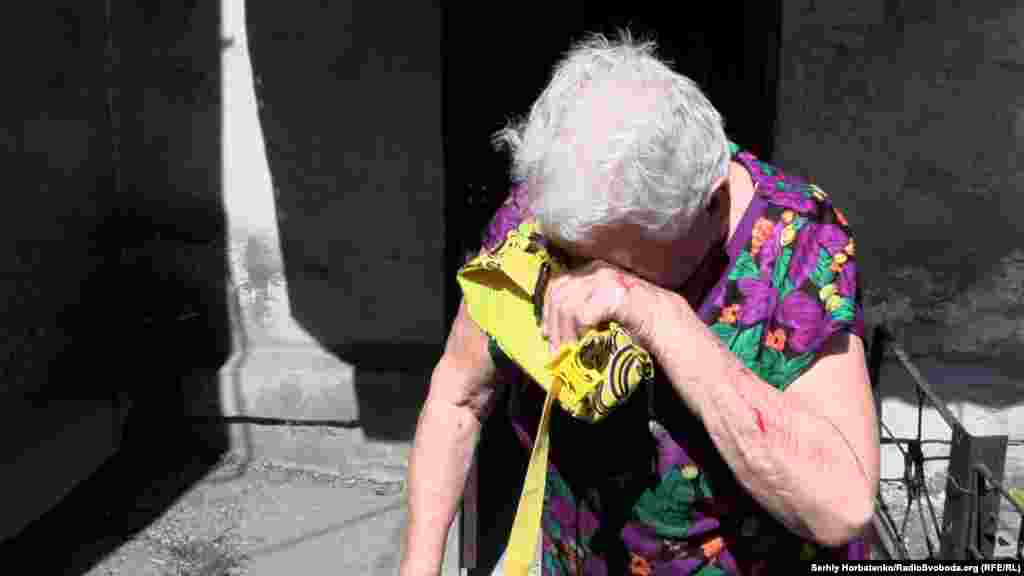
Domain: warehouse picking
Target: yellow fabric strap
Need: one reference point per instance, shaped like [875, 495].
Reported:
[588, 378]
[522, 545]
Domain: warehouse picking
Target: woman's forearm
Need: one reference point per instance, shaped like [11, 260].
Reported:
[795, 463]
[442, 453]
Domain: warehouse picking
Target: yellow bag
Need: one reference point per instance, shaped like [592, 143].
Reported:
[503, 292]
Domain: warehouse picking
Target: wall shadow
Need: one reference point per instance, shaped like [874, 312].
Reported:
[349, 99]
[116, 230]
[992, 383]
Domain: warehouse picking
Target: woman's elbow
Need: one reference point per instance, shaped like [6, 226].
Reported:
[849, 521]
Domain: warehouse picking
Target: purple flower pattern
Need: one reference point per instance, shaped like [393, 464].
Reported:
[508, 216]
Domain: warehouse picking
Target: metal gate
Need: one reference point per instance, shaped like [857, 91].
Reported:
[966, 528]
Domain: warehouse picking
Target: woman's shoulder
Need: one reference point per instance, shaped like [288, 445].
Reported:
[783, 191]
[794, 283]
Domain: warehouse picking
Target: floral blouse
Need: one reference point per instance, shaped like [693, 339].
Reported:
[645, 491]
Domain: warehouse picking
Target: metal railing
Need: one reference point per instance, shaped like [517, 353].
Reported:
[967, 527]
[987, 483]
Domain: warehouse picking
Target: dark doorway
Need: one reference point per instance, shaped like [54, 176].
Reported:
[495, 64]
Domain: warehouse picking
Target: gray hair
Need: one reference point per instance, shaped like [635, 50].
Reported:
[657, 166]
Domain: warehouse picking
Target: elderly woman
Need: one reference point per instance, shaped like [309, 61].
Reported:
[758, 443]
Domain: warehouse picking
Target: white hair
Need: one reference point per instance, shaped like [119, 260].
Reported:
[644, 145]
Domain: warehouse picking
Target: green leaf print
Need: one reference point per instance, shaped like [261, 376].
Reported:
[550, 525]
[779, 372]
[551, 565]
[797, 363]
[787, 287]
[781, 267]
[666, 509]
[748, 344]
[703, 486]
[745, 267]
[772, 368]
[845, 311]
[823, 273]
[778, 379]
[725, 332]
[556, 486]
[772, 360]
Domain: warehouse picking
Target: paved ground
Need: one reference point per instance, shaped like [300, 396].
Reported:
[161, 507]
[315, 501]
[272, 520]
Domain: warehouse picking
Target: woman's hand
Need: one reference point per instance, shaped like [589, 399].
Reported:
[597, 292]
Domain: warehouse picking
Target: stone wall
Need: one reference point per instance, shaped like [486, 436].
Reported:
[908, 113]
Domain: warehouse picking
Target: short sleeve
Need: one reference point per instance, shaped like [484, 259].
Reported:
[792, 287]
[844, 303]
[509, 216]
[818, 289]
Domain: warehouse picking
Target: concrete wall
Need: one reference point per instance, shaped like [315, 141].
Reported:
[909, 114]
[352, 320]
[337, 292]
[349, 101]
